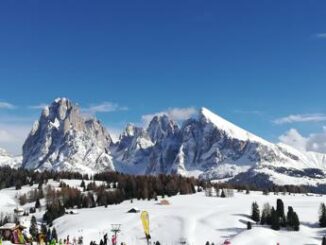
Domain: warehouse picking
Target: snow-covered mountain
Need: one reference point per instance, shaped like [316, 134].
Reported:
[133, 150]
[8, 160]
[210, 147]
[62, 139]
[206, 146]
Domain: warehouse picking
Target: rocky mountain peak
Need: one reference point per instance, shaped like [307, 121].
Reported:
[132, 130]
[63, 139]
[206, 145]
[161, 126]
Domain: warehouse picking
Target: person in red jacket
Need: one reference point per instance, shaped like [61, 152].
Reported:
[114, 240]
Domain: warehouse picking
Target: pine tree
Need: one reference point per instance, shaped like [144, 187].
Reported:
[322, 215]
[222, 194]
[33, 230]
[255, 213]
[266, 215]
[37, 203]
[290, 217]
[293, 219]
[54, 234]
[248, 225]
[83, 185]
[49, 235]
[18, 185]
[280, 212]
[323, 241]
[296, 222]
[40, 185]
[275, 222]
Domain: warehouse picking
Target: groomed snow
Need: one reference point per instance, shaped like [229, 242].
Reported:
[196, 218]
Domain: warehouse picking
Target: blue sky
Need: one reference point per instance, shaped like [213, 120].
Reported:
[252, 62]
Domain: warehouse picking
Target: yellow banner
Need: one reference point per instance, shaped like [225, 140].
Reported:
[145, 220]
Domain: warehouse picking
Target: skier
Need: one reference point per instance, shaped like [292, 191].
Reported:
[114, 240]
[105, 239]
[227, 242]
[80, 240]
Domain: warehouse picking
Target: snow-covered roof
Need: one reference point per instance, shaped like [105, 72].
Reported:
[17, 210]
[8, 226]
[134, 210]
[11, 226]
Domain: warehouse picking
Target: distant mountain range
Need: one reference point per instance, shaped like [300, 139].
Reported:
[206, 146]
[8, 160]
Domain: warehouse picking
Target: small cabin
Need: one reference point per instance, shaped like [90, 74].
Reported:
[133, 210]
[19, 211]
[164, 202]
[13, 233]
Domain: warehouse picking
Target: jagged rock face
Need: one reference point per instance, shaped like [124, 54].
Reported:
[166, 135]
[207, 146]
[150, 151]
[163, 157]
[133, 150]
[64, 140]
[161, 127]
[200, 145]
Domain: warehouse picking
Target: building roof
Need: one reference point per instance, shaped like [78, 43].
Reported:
[11, 226]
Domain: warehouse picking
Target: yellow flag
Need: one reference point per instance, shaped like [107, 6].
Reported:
[145, 220]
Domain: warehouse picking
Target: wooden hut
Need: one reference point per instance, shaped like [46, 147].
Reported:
[164, 202]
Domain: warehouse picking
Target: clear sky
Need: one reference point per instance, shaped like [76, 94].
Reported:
[260, 64]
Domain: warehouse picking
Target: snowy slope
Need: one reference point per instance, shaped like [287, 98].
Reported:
[229, 128]
[194, 218]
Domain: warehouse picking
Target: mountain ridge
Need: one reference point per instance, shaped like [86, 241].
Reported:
[206, 146]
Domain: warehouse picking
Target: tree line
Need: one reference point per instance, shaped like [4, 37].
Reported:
[18, 177]
[275, 217]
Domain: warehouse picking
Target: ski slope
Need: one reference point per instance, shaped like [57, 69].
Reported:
[197, 219]
[194, 218]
